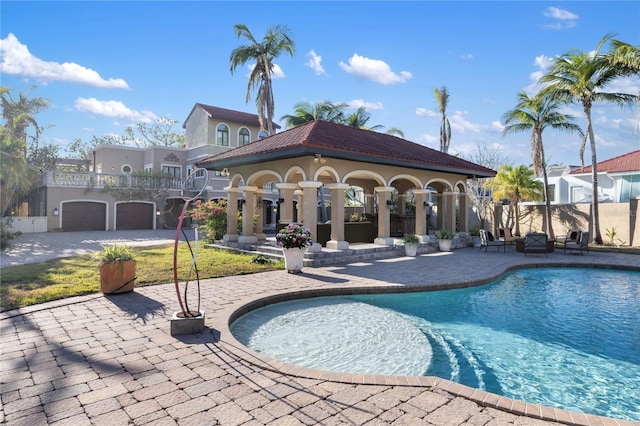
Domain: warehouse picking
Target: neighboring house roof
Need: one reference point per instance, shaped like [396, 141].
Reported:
[348, 143]
[228, 115]
[623, 163]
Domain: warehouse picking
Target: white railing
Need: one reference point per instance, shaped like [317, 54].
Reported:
[102, 180]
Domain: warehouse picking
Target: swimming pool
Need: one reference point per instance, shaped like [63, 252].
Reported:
[561, 337]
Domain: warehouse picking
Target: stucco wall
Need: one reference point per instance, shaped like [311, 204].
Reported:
[621, 216]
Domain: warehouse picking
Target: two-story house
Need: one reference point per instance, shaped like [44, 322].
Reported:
[123, 187]
[618, 181]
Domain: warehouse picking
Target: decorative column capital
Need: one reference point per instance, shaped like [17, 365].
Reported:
[338, 186]
[284, 185]
[309, 184]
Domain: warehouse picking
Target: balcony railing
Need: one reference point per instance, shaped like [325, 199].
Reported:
[102, 180]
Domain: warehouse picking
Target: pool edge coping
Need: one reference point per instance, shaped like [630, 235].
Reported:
[483, 398]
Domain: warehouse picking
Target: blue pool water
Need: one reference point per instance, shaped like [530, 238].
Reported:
[561, 337]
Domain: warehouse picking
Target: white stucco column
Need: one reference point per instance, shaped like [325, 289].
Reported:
[299, 196]
[384, 194]
[232, 214]
[369, 203]
[248, 210]
[337, 241]
[421, 215]
[449, 211]
[286, 207]
[464, 212]
[310, 209]
[259, 213]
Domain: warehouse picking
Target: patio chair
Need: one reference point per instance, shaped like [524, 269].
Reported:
[572, 237]
[582, 244]
[487, 239]
[535, 243]
[506, 235]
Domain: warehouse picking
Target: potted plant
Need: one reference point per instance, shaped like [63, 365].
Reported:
[117, 269]
[294, 240]
[475, 235]
[411, 244]
[445, 239]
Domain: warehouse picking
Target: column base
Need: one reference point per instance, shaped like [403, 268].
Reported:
[261, 236]
[187, 325]
[337, 245]
[315, 248]
[383, 241]
[230, 238]
[247, 239]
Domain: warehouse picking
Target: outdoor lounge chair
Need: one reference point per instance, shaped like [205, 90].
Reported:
[582, 244]
[487, 239]
[535, 243]
[506, 235]
[572, 237]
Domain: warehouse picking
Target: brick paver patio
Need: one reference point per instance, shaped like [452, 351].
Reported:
[110, 360]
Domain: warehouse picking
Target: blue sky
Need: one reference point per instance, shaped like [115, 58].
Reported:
[108, 65]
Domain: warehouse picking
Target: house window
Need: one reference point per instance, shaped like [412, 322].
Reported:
[200, 173]
[223, 135]
[126, 169]
[262, 134]
[244, 137]
[174, 171]
[551, 193]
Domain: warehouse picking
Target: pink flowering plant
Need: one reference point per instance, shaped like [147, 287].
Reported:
[212, 218]
[294, 236]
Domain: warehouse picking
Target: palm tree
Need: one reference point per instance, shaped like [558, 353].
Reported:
[515, 184]
[18, 114]
[442, 97]
[360, 118]
[276, 42]
[580, 77]
[535, 114]
[321, 110]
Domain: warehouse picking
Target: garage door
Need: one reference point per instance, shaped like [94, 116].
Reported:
[134, 216]
[84, 216]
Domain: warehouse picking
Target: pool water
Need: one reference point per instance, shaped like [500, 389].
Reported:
[562, 337]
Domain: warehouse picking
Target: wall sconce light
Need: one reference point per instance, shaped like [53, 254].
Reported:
[425, 204]
[55, 211]
[224, 172]
[157, 212]
[389, 202]
[241, 202]
[275, 210]
[319, 160]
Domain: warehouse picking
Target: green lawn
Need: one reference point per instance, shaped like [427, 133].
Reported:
[30, 284]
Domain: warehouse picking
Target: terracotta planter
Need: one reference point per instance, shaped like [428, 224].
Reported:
[410, 249]
[117, 277]
[294, 259]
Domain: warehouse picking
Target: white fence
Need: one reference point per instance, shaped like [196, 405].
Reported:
[29, 224]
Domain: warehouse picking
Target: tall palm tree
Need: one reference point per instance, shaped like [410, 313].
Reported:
[580, 77]
[274, 43]
[321, 110]
[535, 114]
[442, 97]
[18, 115]
[515, 184]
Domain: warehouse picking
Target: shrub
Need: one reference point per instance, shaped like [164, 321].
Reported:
[212, 218]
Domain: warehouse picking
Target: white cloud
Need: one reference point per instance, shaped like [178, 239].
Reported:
[114, 109]
[357, 103]
[315, 63]
[561, 14]
[374, 70]
[423, 112]
[466, 56]
[566, 19]
[17, 60]
[460, 125]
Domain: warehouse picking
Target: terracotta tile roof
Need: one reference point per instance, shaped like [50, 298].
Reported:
[231, 115]
[623, 163]
[349, 143]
